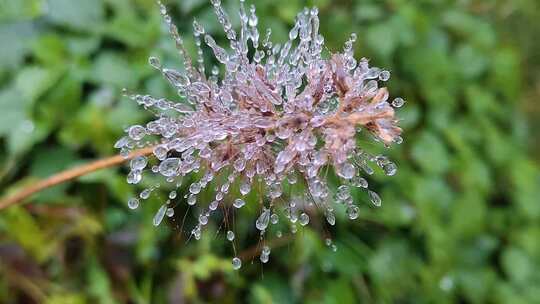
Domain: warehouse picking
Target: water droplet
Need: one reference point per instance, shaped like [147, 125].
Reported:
[230, 235]
[353, 212]
[390, 168]
[136, 132]
[347, 171]
[262, 222]
[159, 215]
[169, 167]
[192, 199]
[145, 193]
[384, 75]
[245, 187]
[134, 177]
[237, 263]
[172, 194]
[195, 188]
[303, 219]
[328, 242]
[133, 203]
[138, 163]
[239, 203]
[330, 218]
[154, 62]
[375, 198]
[203, 219]
[170, 212]
[359, 181]
[122, 142]
[274, 218]
[398, 102]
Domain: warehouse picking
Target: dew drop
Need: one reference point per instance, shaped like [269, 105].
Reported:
[330, 218]
[154, 62]
[169, 167]
[375, 198]
[245, 187]
[195, 188]
[138, 163]
[262, 222]
[390, 168]
[145, 193]
[170, 212]
[347, 171]
[239, 203]
[303, 219]
[192, 199]
[133, 203]
[353, 212]
[159, 215]
[236, 263]
[274, 218]
[136, 132]
[398, 102]
[230, 235]
[134, 177]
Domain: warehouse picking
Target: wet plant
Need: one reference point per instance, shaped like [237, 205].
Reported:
[275, 119]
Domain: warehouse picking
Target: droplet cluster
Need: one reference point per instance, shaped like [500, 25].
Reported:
[279, 114]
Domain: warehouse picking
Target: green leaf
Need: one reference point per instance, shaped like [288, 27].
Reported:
[20, 10]
[77, 14]
[430, 153]
[19, 36]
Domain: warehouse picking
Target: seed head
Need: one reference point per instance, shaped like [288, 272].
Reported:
[270, 115]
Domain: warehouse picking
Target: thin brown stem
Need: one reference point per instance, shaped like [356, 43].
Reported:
[69, 174]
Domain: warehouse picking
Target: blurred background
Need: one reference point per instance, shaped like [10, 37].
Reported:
[460, 222]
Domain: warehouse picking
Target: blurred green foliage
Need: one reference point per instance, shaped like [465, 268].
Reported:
[460, 222]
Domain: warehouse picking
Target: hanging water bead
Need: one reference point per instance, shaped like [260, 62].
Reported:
[347, 171]
[375, 198]
[172, 194]
[134, 177]
[359, 182]
[145, 193]
[274, 218]
[265, 254]
[138, 163]
[192, 200]
[353, 212]
[239, 203]
[230, 235]
[236, 263]
[330, 217]
[136, 132]
[384, 75]
[303, 219]
[160, 214]
[262, 222]
[169, 167]
[390, 168]
[398, 102]
[154, 62]
[133, 203]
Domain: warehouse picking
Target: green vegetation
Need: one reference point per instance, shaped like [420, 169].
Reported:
[460, 221]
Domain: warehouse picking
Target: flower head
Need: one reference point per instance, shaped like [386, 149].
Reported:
[280, 114]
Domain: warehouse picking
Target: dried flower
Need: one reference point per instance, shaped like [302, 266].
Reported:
[283, 115]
